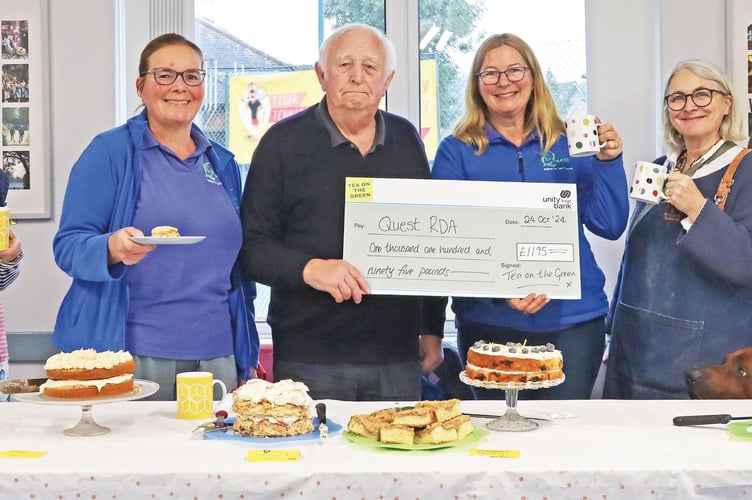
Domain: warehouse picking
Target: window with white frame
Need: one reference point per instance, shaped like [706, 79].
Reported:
[259, 58]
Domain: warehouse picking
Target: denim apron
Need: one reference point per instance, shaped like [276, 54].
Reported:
[671, 314]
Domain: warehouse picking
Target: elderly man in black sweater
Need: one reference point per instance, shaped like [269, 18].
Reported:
[327, 330]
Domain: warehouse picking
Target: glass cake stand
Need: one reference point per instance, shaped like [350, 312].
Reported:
[512, 421]
[86, 426]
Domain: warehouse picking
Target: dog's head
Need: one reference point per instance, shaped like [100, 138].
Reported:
[732, 379]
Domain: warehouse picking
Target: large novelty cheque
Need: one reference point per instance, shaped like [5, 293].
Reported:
[463, 238]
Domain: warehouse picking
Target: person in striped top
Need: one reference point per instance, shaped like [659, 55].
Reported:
[10, 266]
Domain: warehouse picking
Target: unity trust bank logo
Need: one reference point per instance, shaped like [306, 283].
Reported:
[561, 202]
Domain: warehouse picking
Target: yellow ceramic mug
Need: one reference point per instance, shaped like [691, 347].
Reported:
[4, 228]
[195, 395]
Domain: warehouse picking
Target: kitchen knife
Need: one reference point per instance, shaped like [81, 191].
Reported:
[721, 418]
[323, 427]
[215, 425]
[19, 385]
[481, 415]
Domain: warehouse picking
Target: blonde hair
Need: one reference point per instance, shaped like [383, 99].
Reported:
[731, 125]
[541, 113]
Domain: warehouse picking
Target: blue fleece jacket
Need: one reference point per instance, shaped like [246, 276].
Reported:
[603, 208]
[100, 198]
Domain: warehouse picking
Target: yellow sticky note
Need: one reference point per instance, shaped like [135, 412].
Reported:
[272, 456]
[22, 454]
[358, 189]
[495, 453]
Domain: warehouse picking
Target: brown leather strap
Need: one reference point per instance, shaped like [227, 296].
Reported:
[728, 180]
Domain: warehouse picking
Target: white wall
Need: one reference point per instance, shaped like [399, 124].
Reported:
[81, 104]
[622, 70]
[631, 44]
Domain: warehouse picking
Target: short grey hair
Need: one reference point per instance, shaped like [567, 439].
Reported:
[731, 126]
[390, 53]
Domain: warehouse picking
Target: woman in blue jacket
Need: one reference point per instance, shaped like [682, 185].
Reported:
[511, 131]
[174, 307]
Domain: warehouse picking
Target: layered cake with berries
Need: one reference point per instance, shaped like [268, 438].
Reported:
[513, 362]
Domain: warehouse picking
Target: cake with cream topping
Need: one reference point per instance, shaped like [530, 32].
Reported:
[513, 362]
[266, 409]
[86, 373]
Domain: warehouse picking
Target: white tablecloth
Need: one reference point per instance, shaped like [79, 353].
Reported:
[596, 449]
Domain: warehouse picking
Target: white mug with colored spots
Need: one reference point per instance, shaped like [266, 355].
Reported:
[648, 182]
[582, 136]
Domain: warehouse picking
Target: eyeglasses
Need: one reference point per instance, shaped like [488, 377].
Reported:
[167, 76]
[492, 76]
[701, 98]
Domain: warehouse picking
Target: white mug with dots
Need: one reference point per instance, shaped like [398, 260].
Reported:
[582, 136]
[648, 182]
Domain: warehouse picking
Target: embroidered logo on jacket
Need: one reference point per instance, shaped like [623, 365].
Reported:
[210, 174]
[551, 162]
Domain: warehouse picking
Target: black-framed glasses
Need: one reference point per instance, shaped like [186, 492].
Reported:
[701, 97]
[492, 76]
[167, 76]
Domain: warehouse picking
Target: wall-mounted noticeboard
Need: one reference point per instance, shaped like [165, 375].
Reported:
[24, 99]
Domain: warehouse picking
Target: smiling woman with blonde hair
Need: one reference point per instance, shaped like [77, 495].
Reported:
[542, 116]
[511, 131]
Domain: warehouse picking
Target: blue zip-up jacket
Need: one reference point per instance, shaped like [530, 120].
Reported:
[100, 198]
[603, 208]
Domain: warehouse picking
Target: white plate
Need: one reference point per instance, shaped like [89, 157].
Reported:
[230, 434]
[545, 384]
[156, 240]
[141, 389]
[477, 434]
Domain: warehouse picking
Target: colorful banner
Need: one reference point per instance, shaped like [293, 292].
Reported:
[259, 100]
[429, 114]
